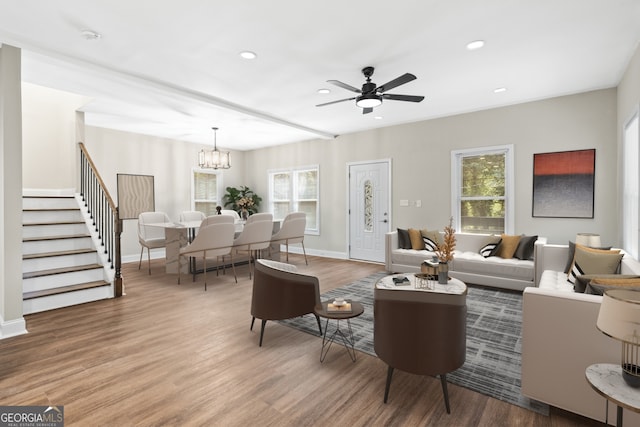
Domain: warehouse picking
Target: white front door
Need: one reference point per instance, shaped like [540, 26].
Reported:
[369, 209]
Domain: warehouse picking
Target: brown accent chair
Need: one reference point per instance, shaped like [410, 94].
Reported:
[280, 292]
[420, 333]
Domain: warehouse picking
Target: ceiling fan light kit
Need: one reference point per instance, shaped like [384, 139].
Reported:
[371, 96]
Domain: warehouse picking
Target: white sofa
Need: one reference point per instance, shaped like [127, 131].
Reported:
[560, 340]
[468, 265]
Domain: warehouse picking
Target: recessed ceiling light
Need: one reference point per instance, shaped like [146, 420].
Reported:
[476, 44]
[90, 35]
[324, 91]
[247, 54]
[500, 90]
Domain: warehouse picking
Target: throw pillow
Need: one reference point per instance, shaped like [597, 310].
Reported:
[490, 246]
[431, 239]
[594, 261]
[416, 239]
[580, 286]
[572, 251]
[507, 246]
[598, 285]
[525, 247]
[404, 242]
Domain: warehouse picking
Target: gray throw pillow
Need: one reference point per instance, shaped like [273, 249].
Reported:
[404, 242]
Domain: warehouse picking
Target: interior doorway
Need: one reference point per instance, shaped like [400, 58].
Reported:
[369, 209]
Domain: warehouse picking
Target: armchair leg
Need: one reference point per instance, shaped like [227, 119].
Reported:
[443, 380]
[205, 271]
[233, 267]
[141, 252]
[319, 324]
[305, 254]
[264, 323]
[149, 259]
[386, 388]
[253, 319]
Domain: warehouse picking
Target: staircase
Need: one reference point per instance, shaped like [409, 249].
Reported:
[61, 265]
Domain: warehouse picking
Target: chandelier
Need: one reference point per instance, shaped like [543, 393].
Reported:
[214, 159]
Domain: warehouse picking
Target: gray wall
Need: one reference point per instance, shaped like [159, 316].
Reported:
[420, 154]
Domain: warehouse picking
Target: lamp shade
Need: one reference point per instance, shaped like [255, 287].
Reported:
[588, 239]
[619, 315]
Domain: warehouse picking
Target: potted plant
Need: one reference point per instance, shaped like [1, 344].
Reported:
[444, 252]
[242, 198]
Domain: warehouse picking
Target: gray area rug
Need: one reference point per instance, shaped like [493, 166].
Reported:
[494, 342]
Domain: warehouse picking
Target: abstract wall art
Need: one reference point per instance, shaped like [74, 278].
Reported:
[563, 184]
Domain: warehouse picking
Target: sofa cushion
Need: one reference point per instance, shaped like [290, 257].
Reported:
[572, 252]
[416, 239]
[410, 257]
[594, 261]
[474, 263]
[431, 239]
[525, 247]
[580, 285]
[507, 247]
[555, 281]
[404, 242]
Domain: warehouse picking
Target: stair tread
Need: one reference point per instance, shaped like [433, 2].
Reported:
[64, 289]
[59, 253]
[26, 224]
[75, 268]
[69, 236]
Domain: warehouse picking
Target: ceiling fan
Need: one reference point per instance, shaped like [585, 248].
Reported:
[372, 96]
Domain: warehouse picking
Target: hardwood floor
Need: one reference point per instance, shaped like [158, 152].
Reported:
[169, 354]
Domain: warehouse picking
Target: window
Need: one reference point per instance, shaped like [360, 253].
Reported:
[482, 190]
[296, 190]
[630, 186]
[206, 191]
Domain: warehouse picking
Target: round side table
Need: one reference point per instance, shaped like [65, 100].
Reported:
[347, 338]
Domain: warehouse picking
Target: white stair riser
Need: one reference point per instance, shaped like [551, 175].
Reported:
[53, 230]
[58, 280]
[45, 246]
[67, 299]
[48, 263]
[49, 202]
[30, 217]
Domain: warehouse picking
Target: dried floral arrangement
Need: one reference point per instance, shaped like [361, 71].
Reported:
[444, 251]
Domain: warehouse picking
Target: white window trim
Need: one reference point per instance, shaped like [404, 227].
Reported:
[219, 185]
[294, 207]
[630, 226]
[456, 182]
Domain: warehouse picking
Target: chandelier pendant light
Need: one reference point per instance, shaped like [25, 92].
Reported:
[214, 159]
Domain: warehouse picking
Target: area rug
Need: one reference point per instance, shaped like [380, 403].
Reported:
[494, 342]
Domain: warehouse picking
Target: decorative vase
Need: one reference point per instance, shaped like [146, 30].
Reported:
[443, 273]
[244, 214]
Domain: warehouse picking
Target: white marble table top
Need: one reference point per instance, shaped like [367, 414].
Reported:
[184, 224]
[606, 379]
[454, 286]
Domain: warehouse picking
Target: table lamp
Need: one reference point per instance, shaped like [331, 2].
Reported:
[619, 318]
[588, 239]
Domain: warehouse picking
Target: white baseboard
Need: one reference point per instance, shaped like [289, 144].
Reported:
[12, 328]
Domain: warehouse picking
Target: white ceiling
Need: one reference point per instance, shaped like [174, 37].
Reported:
[173, 69]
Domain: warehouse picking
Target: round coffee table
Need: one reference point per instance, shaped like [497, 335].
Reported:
[325, 311]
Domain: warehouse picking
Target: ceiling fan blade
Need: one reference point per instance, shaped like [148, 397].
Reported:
[410, 98]
[367, 110]
[405, 78]
[335, 102]
[344, 86]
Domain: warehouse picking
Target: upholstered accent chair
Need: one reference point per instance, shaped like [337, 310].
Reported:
[217, 219]
[280, 292]
[292, 232]
[262, 216]
[151, 237]
[420, 333]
